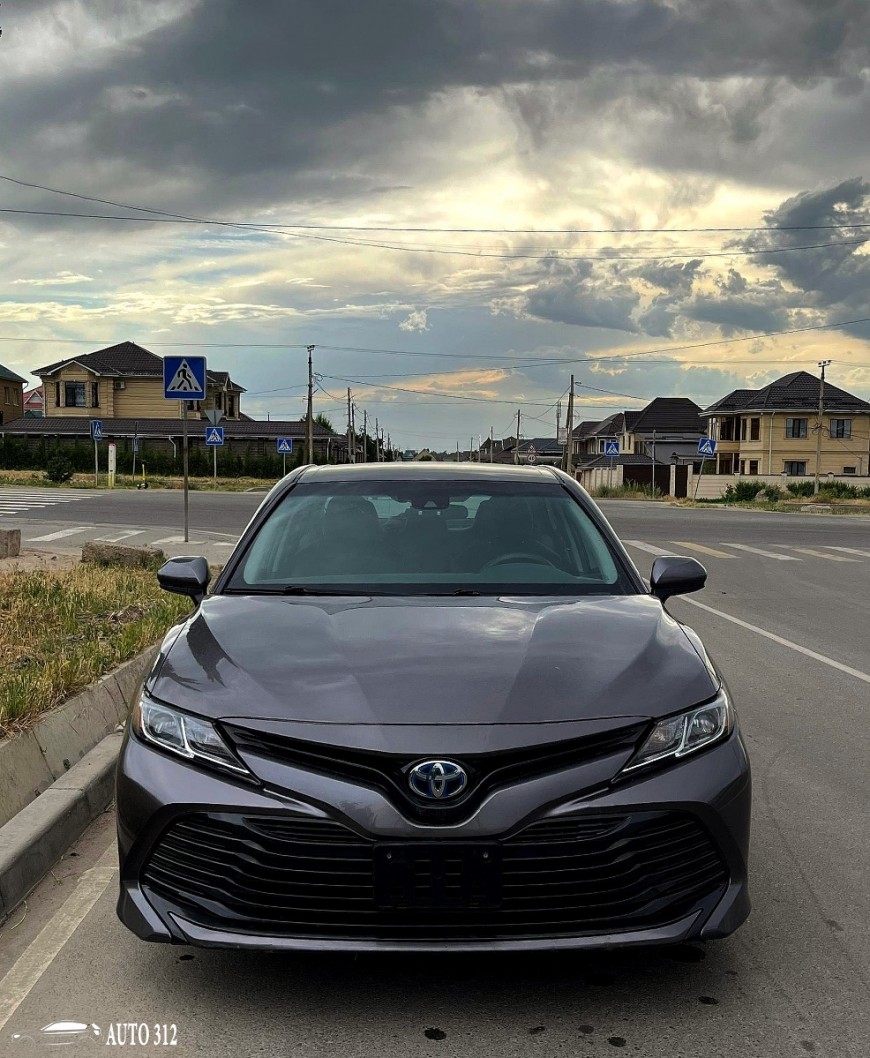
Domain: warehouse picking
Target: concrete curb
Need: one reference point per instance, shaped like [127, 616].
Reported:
[32, 761]
[36, 838]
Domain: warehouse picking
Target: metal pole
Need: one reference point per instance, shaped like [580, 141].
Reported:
[284, 457]
[214, 454]
[491, 444]
[353, 428]
[517, 445]
[569, 424]
[184, 465]
[309, 432]
[365, 455]
[822, 364]
[96, 463]
[654, 465]
[349, 429]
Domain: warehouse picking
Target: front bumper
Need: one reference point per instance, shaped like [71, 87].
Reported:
[182, 835]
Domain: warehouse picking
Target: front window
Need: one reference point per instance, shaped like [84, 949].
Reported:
[841, 428]
[754, 429]
[726, 430]
[795, 469]
[95, 394]
[430, 537]
[74, 395]
[796, 427]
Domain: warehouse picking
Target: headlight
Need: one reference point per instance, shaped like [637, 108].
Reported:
[680, 735]
[186, 736]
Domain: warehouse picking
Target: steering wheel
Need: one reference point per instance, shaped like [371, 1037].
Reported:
[517, 556]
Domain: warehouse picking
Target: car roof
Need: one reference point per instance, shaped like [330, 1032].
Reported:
[416, 471]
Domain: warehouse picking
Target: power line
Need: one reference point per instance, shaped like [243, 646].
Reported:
[454, 231]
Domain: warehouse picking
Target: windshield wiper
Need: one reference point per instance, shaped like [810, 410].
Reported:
[305, 589]
[459, 591]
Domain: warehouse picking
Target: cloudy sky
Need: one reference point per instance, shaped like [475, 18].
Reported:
[593, 146]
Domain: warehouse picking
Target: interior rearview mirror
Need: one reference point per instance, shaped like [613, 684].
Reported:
[676, 576]
[185, 576]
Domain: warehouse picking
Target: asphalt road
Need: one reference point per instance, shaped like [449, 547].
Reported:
[790, 633]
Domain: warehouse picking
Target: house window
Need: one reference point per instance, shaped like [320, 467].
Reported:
[796, 427]
[218, 401]
[726, 430]
[74, 394]
[231, 405]
[742, 429]
[795, 469]
[95, 394]
[753, 466]
[754, 429]
[15, 396]
[850, 470]
[6, 395]
[57, 394]
[841, 428]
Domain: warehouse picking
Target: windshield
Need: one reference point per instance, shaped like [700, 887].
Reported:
[430, 537]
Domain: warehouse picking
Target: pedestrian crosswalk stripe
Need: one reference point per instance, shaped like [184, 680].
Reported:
[651, 549]
[818, 554]
[116, 538]
[60, 534]
[702, 548]
[763, 553]
[175, 540]
[848, 550]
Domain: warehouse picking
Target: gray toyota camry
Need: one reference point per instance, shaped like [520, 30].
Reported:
[432, 708]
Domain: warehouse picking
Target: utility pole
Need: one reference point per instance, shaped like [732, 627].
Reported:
[517, 445]
[491, 444]
[470, 449]
[377, 443]
[822, 364]
[309, 426]
[365, 453]
[559, 423]
[569, 426]
[353, 428]
[349, 429]
[458, 460]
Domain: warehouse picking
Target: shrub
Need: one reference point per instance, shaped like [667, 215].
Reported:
[800, 488]
[743, 490]
[841, 490]
[772, 493]
[59, 470]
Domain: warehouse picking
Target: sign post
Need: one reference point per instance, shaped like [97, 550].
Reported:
[113, 463]
[285, 447]
[214, 435]
[532, 455]
[96, 437]
[611, 450]
[184, 379]
[706, 447]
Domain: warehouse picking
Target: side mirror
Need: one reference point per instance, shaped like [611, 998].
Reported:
[676, 576]
[185, 576]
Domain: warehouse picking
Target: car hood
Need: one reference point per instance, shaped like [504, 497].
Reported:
[432, 662]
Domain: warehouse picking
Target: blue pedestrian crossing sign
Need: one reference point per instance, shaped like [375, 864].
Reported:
[214, 435]
[706, 446]
[96, 429]
[285, 446]
[184, 377]
[611, 449]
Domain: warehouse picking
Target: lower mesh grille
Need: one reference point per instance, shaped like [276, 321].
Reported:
[317, 878]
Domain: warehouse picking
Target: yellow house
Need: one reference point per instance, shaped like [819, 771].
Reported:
[11, 395]
[775, 430]
[126, 382]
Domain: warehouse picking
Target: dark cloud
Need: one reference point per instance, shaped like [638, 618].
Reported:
[249, 104]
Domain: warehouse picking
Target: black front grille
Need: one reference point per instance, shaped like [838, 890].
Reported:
[387, 772]
[595, 873]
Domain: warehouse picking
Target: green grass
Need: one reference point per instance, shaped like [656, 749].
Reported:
[37, 479]
[630, 491]
[60, 631]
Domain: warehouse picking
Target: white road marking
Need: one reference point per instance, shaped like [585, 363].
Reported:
[60, 534]
[818, 554]
[765, 554]
[702, 548]
[650, 548]
[814, 654]
[848, 550]
[116, 538]
[36, 959]
[177, 540]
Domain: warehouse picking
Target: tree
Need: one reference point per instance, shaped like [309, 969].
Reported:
[321, 420]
